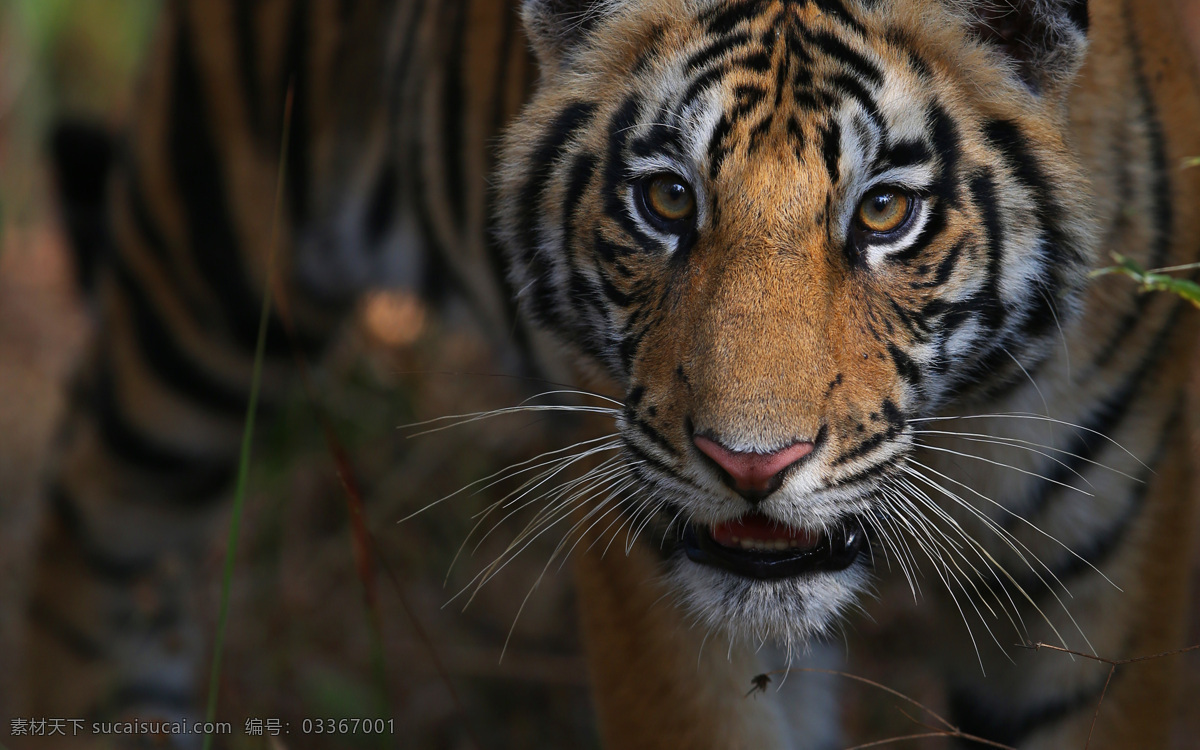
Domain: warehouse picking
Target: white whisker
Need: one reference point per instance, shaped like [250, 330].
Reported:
[465, 419]
[1036, 417]
[1001, 442]
[1001, 464]
[1017, 547]
[1019, 442]
[1014, 515]
[508, 473]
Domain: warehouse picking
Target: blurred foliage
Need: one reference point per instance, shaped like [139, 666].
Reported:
[57, 57]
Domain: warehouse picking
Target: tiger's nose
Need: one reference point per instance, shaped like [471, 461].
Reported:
[753, 475]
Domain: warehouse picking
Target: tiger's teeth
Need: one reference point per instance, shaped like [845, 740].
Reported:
[767, 545]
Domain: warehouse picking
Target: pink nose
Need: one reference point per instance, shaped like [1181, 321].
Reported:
[754, 475]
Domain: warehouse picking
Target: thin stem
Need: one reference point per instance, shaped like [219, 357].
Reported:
[239, 497]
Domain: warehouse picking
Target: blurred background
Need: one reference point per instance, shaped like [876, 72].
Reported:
[300, 642]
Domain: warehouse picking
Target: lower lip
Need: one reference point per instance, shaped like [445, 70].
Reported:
[833, 552]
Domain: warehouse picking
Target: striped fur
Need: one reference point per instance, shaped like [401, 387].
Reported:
[394, 104]
[766, 322]
[1034, 139]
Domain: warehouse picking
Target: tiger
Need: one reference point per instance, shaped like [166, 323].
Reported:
[836, 258]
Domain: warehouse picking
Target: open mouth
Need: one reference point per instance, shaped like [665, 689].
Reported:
[755, 546]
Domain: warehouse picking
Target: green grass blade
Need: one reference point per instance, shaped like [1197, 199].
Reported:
[1189, 290]
[1155, 280]
[239, 497]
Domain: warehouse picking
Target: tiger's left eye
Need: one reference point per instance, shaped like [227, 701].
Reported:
[883, 209]
[668, 199]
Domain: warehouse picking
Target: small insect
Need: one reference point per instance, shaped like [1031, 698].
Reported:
[759, 683]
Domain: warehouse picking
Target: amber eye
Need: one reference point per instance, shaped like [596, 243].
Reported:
[883, 210]
[669, 200]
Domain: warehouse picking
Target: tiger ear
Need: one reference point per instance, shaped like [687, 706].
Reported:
[556, 27]
[1045, 39]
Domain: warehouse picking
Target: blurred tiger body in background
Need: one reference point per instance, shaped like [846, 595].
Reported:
[815, 246]
[378, 157]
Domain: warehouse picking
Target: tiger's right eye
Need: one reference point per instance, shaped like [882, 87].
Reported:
[668, 201]
[883, 210]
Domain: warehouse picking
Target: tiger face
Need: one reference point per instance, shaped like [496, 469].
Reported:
[786, 229]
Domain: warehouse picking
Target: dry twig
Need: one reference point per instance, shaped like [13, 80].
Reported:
[948, 729]
[1112, 667]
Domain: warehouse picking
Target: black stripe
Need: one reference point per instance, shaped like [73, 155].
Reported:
[797, 136]
[863, 448]
[199, 477]
[983, 193]
[1103, 419]
[647, 429]
[869, 474]
[942, 273]
[452, 115]
[699, 85]
[723, 20]
[614, 294]
[837, 10]
[647, 460]
[660, 138]
[906, 368]
[760, 130]
[716, 148]
[758, 62]
[579, 177]
[1161, 192]
[99, 563]
[715, 49]
[296, 73]
[610, 252]
[946, 144]
[831, 149]
[1060, 256]
[799, 59]
[213, 243]
[905, 153]
[550, 150]
[914, 326]
[80, 644]
[1011, 726]
[496, 259]
[381, 206]
[565, 126]
[840, 51]
[934, 226]
[620, 129]
[175, 369]
[147, 228]
[1103, 545]
[247, 64]
[852, 87]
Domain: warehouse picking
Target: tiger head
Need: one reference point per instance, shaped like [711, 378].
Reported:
[786, 229]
